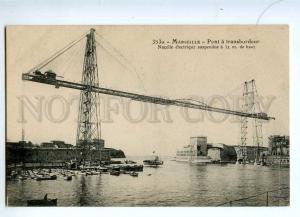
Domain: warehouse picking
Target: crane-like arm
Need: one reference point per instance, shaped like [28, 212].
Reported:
[138, 97]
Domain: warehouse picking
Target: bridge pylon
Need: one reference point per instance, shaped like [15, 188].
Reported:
[250, 105]
[88, 130]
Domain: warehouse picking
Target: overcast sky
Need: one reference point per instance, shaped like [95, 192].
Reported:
[128, 60]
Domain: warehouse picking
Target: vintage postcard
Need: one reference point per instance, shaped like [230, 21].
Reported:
[147, 115]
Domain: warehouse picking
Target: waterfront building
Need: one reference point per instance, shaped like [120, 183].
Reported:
[95, 144]
[195, 152]
[279, 151]
[249, 152]
[55, 153]
[48, 145]
[199, 142]
[221, 153]
[279, 145]
[98, 144]
[61, 144]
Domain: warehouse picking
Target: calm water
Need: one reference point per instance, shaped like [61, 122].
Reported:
[174, 184]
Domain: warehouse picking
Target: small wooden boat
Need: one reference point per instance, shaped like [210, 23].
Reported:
[95, 173]
[115, 173]
[138, 168]
[129, 162]
[125, 172]
[43, 202]
[88, 173]
[22, 178]
[134, 174]
[103, 169]
[68, 178]
[41, 178]
[116, 168]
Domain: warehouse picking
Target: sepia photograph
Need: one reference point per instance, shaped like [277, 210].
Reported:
[147, 116]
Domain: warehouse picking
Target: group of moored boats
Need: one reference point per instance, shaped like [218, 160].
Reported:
[115, 168]
[128, 167]
[131, 169]
[67, 174]
[117, 173]
[41, 174]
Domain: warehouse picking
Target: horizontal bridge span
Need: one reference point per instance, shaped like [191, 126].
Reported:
[138, 97]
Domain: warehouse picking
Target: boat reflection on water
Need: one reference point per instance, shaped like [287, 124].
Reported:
[42, 202]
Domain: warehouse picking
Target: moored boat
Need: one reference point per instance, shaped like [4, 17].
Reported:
[153, 162]
[68, 178]
[42, 202]
[129, 161]
[95, 173]
[134, 174]
[115, 173]
[41, 178]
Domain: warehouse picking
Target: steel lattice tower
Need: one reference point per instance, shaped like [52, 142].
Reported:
[258, 134]
[251, 105]
[89, 131]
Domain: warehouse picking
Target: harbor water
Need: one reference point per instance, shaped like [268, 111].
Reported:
[173, 184]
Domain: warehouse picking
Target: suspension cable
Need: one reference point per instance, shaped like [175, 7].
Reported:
[57, 54]
[123, 57]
